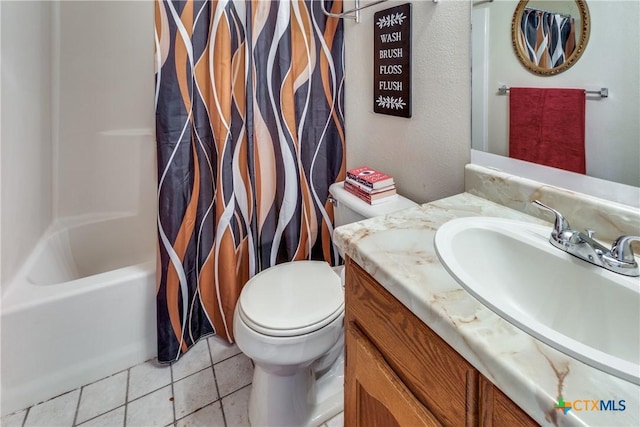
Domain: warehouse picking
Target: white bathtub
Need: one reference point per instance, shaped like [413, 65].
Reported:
[81, 308]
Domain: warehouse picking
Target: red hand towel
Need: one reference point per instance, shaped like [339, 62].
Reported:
[546, 126]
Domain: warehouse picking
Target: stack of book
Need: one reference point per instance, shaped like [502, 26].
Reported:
[370, 185]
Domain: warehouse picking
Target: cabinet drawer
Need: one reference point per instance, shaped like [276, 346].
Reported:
[437, 375]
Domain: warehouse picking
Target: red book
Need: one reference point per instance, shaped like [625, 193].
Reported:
[369, 190]
[370, 177]
[372, 199]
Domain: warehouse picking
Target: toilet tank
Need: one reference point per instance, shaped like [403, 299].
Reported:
[350, 208]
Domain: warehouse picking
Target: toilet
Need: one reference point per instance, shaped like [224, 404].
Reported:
[289, 320]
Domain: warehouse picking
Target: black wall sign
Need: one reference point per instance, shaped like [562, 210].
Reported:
[392, 61]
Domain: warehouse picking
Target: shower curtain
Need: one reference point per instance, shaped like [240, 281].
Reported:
[549, 38]
[250, 135]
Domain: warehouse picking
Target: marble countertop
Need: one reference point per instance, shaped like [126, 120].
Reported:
[397, 250]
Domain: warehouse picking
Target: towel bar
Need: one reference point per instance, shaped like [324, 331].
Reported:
[603, 92]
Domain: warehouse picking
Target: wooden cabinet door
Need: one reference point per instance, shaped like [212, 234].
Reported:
[399, 372]
[375, 395]
[497, 410]
[440, 379]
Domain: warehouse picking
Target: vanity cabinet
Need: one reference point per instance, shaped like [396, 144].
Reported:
[398, 372]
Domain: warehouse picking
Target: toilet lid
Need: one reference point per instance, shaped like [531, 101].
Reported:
[292, 299]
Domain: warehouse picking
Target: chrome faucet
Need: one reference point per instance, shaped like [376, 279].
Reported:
[619, 259]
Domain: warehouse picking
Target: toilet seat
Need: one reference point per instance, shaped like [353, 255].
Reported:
[292, 299]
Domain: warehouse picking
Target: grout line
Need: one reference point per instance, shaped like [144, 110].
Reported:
[224, 360]
[26, 414]
[173, 395]
[126, 398]
[190, 375]
[215, 381]
[150, 392]
[200, 409]
[104, 413]
[72, 390]
[172, 382]
[234, 391]
[75, 416]
[94, 382]
[209, 367]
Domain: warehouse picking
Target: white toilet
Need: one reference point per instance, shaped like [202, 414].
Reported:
[289, 320]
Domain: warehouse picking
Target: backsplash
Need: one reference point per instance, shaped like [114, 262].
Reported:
[609, 219]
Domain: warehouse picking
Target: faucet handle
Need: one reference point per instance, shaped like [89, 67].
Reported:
[621, 249]
[560, 224]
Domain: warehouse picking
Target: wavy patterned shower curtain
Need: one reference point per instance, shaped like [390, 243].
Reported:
[250, 135]
[549, 38]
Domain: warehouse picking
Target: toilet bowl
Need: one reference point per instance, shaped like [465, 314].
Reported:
[289, 320]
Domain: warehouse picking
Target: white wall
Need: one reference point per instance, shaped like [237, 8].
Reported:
[426, 153]
[611, 60]
[26, 192]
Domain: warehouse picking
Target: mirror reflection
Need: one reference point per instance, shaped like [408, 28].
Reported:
[550, 36]
[612, 60]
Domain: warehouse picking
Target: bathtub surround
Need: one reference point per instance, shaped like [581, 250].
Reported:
[249, 137]
[78, 187]
[528, 371]
[104, 120]
[27, 195]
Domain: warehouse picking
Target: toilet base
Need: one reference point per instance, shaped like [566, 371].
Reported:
[296, 400]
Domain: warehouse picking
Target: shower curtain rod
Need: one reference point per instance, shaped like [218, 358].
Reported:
[603, 92]
[355, 11]
[535, 9]
[479, 2]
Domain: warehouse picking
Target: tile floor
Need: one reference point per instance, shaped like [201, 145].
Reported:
[209, 386]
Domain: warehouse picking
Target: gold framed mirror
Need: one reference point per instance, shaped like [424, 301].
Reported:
[549, 36]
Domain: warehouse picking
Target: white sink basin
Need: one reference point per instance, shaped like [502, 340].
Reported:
[580, 309]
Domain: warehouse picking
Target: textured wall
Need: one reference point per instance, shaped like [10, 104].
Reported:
[426, 153]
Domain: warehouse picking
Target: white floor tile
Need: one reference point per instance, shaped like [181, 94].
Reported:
[155, 409]
[113, 418]
[151, 403]
[55, 412]
[233, 374]
[236, 408]
[102, 396]
[196, 359]
[194, 392]
[147, 377]
[13, 420]
[220, 349]
[209, 416]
